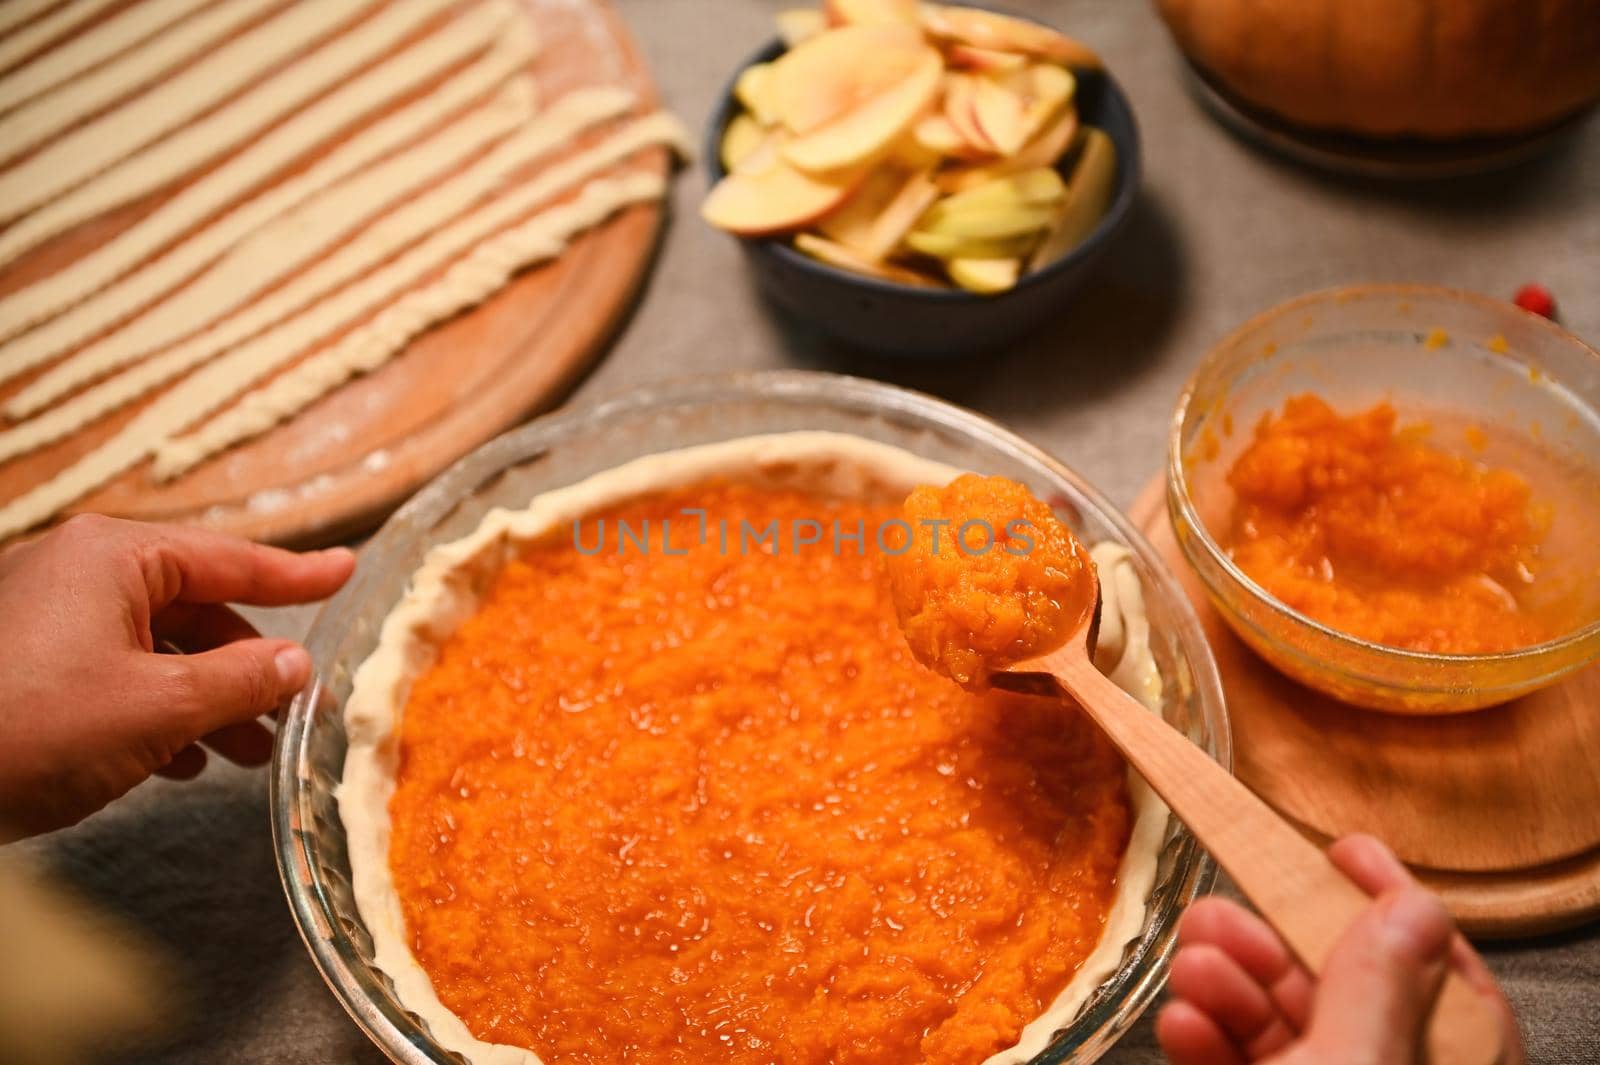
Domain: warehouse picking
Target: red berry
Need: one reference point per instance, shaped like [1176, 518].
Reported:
[1536, 298]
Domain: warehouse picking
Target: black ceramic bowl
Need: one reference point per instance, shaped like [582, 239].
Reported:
[902, 320]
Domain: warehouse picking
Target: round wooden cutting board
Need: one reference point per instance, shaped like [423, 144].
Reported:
[343, 463]
[1498, 810]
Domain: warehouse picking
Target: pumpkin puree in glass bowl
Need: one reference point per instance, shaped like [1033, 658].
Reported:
[705, 806]
[1369, 529]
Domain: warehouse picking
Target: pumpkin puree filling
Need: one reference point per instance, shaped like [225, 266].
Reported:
[1368, 528]
[705, 805]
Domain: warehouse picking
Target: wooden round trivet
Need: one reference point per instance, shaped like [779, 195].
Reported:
[343, 463]
[1499, 810]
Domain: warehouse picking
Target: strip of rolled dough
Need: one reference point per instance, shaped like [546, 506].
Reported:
[88, 278]
[73, 159]
[213, 385]
[569, 116]
[281, 247]
[483, 273]
[45, 31]
[116, 37]
[17, 12]
[125, 76]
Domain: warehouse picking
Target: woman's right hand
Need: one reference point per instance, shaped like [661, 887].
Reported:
[1239, 997]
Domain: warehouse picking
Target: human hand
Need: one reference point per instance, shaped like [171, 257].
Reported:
[1240, 997]
[88, 709]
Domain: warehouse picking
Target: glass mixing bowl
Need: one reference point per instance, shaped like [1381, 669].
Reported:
[1466, 365]
[567, 447]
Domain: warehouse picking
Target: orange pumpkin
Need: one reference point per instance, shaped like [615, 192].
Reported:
[1437, 69]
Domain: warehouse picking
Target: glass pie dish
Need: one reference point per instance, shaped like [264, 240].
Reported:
[566, 447]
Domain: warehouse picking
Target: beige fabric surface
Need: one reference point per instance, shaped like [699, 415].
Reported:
[1220, 233]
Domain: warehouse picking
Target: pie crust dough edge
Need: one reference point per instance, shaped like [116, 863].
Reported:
[454, 577]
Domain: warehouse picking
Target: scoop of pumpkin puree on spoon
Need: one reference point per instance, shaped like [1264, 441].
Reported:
[989, 578]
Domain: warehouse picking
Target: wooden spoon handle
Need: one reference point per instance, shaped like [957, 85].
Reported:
[1286, 876]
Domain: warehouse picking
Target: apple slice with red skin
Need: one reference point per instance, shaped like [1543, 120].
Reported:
[869, 130]
[1003, 33]
[1012, 108]
[937, 134]
[1044, 150]
[1000, 111]
[960, 92]
[838, 71]
[765, 195]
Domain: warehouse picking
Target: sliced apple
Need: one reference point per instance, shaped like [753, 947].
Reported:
[1000, 110]
[1094, 178]
[959, 99]
[1011, 108]
[798, 25]
[754, 89]
[1041, 186]
[984, 60]
[909, 205]
[872, 12]
[1044, 150]
[869, 130]
[743, 136]
[1047, 89]
[838, 71]
[766, 195]
[1013, 206]
[909, 153]
[851, 222]
[1003, 33]
[874, 221]
[844, 258]
[989, 223]
[984, 276]
[940, 246]
[936, 134]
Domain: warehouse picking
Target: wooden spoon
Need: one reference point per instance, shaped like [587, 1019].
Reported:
[1288, 878]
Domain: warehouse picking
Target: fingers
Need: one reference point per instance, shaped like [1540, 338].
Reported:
[199, 566]
[1209, 979]
[231, 684]
[1378, 984]
[1251, 943]
[198, 627]
[1374, 867]
[185, 765]
[248, 743]
[1371, 864]
[1189, 1037]
[195, 627]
